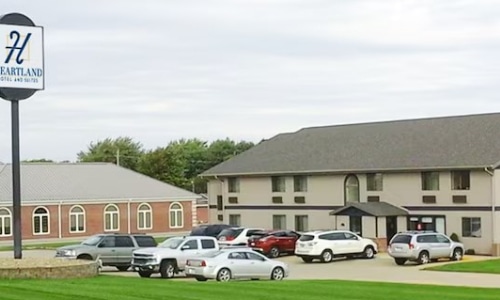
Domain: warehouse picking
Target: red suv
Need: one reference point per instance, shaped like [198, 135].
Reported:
[273, 243]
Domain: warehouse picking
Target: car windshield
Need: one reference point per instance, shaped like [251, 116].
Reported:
[93, 240]
[230, 232]
[401, 239]
[172, 243]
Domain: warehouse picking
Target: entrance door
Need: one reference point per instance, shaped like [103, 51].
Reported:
[391, 227]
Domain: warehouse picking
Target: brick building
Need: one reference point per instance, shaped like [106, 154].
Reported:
[71, 200]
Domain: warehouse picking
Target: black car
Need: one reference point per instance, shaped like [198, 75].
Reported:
[208, 230]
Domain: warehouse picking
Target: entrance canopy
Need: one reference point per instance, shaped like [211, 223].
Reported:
[374, 209]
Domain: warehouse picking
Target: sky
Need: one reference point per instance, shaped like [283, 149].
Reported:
[161, 70]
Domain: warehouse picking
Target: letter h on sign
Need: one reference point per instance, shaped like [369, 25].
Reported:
[16, 37]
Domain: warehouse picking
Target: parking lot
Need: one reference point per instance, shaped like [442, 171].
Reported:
[382, 268]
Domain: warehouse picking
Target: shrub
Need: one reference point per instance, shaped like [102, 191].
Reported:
[454, 237]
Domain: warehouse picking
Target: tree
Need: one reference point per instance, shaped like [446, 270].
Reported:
[222, 150]
[122, 150]
[164, 164]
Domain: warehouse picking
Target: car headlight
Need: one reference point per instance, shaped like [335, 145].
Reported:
[67, 252]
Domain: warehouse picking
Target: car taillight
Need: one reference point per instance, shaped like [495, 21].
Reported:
[411, 246]
[203, 263]
[229, 238]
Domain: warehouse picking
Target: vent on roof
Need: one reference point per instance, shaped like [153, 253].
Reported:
[429, 199]
[277, 199]
[459, 199]
[300, 199]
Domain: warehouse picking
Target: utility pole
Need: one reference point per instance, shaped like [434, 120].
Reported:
[118, 157]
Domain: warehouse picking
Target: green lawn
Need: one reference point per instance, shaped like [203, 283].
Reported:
[491, 266]
[53, 246]
[123, 288]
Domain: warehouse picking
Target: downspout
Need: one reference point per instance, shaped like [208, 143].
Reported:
[493, 207]
[128, 216]
[59, 210]
[222, 193]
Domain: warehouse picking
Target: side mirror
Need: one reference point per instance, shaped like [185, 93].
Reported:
[185, 247]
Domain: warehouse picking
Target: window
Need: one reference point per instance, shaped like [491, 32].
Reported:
[460, 180]
[207, 244]
[144, 217]
[430, 181]
[374, 182]
[76, 219]
[124, 241]
[355, 225]
[300, 183]
[191, 245]
[5, 222]
[176, 215]
[334, 236]
[278, 184]
[219, 202]
[471, 227]
[145, 241]
[255, 256]
[279, 222]
[235, 220]
[233, 185]
[41, 221]
[429, 223]
[442, 239]
[111, 218]
[108, 242]
[237, 255]
[301, 223]
[351, 189]
[349, 236]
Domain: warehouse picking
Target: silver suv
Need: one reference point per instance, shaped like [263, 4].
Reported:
[423, 247]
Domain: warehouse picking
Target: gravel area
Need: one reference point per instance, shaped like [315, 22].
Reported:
[37, 262]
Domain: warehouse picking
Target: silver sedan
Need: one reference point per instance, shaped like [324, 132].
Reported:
[227, 264]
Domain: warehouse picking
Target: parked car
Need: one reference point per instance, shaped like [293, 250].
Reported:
[209, 229]
[235, 263]
[325, 245]
[274, 243]
[113, 249]
[236, 236]
[170, 257]
[423, 247]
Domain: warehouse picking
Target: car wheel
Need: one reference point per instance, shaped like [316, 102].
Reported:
[122, 268]
[224, 275]
[400, 261]
[201, 278]
[85, 257]
[307, 259]
[145, 274]
[167, 269]
[274, 252]
[423, 258]
[326, 256]
[369, 252]
[278, 273]
[457, 254]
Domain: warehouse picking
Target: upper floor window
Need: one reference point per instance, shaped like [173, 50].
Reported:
[351, 188]
[374, 182]
[430, 181]
[300, 183]
[233, 185]
[460, 180]
[278, 184]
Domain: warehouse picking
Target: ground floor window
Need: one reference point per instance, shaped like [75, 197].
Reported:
[355, 225]
[235, 220]
[471, 227]
[427, 223]
[5, 222]
[279, 222]
[301, 223]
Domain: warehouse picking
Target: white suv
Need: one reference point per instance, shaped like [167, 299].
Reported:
[236, 236]
[325, 245]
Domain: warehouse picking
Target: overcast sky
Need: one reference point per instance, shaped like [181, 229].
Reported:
[163, 70]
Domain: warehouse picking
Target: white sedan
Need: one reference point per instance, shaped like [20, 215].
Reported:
[238, 263]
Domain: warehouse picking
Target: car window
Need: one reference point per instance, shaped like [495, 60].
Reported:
[124, 241]
[107, 242]
[279, 234]
[207, 244]
[428, 238]
[350, 236]
[254, 256]
[401, 239]
[292, 234]
[250, 232]
[230, 232]
[192, 244]
[237, 255]
[145, 241]
[442, 239]
[306, 238]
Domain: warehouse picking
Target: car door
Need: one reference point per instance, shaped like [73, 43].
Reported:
[106, 250]
[292, 240]
[259, 265]
[353, 243]
[189, 249]
[443, 246]
[339, 243]
[430, 243]
[239, 264]
[124, 247]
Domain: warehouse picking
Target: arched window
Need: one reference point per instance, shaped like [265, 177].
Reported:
[41, 224]
[5, 222]
[144, 217]
[351, 189]
[111, 218]
[76, 219]
[176, 215]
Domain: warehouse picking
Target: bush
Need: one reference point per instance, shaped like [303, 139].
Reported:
[454, 237]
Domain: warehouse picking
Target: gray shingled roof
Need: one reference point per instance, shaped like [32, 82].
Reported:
[85, 181]
[376, 209]
[431, 143]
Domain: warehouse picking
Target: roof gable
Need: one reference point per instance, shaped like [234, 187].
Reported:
[432, 143]
[374, 209]
[85, 181]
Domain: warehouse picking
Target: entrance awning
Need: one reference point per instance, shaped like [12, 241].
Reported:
[374, 209]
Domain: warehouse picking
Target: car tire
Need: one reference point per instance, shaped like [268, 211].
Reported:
[84, 257]
[167, 269]
[307, 260]
[144, 274]
[122, 268]
[400, 261]
[224, 275]
[457, 254]
[201, 278]
[326, 256]
[423, 258]
[277, 273]
[369, 252]
[274, 252]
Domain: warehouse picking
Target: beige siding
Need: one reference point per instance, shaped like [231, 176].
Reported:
[496, 200]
